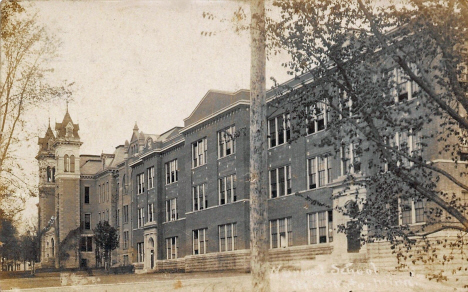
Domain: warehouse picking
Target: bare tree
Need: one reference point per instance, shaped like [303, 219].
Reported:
[26, 50]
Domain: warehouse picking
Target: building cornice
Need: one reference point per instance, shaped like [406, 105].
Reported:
[213, 115]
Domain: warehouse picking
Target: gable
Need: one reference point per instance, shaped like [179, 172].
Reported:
[214, 101]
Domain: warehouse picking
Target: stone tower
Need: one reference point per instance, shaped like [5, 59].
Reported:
[46, 206]
[67, 192]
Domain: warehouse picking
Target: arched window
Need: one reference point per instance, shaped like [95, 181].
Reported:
[49, 174]
[66, 163]
[72, 163]
[53, 174]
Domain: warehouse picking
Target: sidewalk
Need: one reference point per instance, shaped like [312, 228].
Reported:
[306, 280]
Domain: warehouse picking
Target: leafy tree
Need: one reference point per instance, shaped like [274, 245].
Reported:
[107, 239]
[387, 74]
[29, 243]
[9, 244]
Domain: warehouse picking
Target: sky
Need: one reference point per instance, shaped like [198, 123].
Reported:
[138, 61]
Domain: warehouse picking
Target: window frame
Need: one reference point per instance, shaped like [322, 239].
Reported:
[328, 226]
[171, 210]
[140, 252]
[285, 129]
[227, 195]
[226, 242]
[171, 248]
[322, 177]
[125, 214]
[87, 225]
[225, 138]
[276, 233]
[140, 183]
[141, 217]
[199, 153]
[86, 194]
[197, 204]
[150, 175]
[172, 171]
[276, 183]
[200, 244]
[86, 243]
[313, 115]
[151, 212]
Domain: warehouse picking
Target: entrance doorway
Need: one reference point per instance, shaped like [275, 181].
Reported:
[151, 246]
[353, 234]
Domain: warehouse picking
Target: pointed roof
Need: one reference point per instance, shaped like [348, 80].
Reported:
[43, 142]
[135, 128]
[61, 127]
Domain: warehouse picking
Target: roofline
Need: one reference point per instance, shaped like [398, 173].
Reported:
[199, 122]
[217, 91]
[158, 150]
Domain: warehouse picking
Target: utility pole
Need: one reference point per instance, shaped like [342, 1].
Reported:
[258, 154]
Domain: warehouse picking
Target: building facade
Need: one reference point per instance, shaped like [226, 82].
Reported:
[180, 200]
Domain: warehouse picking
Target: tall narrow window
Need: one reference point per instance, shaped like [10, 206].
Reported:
[317, 115]
[125, 214]
[140, 183]
[125, 239]
[172, 171]
[227, 189]
[141, 217]
[150, 175]
[199, 243]
[406, 210]
[66, 163]
[227, 237]
[171, 247]
[199, 152]
[87, 224]
[279, 130]
[226, 142]
[151, 212]
[199, 199]
[140, 252]
[312, 173]
[280, 181]
[319, 167]
[86, 195]
[49, 174]
[72, 163]
[171, 210]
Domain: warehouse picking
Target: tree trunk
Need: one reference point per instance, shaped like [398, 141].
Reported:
[258, 154]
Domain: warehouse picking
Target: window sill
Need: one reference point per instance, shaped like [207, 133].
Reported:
[179, 219]
[196, 167]
[319, 188]
[172, 183]
[278, 197]
[315, 133]
[274, 147]
[226, 156]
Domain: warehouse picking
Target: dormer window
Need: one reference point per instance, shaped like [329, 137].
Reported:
[69, 130]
